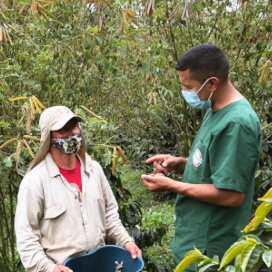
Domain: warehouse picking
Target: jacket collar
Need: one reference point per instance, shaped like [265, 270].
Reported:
[54, 170]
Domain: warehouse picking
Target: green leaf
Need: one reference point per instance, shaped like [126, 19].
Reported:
[267, 258]
[267, 194]
[207, 260]
[237, 263]
[232, 252]
[246, 254]
[230, 268]
[254, 258]
[4, 124]
[269, 199]
[8, 161]
[261, 212]
[252, 239]
[189, 258]
[263, 226]
[209, 268]
[215, 259]
[257, 173]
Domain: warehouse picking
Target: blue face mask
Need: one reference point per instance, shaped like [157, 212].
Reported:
[193, 100]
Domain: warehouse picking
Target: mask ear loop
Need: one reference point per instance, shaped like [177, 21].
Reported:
[203, 85]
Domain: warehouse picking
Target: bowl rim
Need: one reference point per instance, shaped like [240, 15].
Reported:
[100, 248]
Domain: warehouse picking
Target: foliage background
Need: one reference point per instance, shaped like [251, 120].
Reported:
[121, 66]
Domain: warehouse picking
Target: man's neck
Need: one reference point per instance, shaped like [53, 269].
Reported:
[63, 160]
[224, 96]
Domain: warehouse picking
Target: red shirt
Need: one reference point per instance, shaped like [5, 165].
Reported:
[73, 176]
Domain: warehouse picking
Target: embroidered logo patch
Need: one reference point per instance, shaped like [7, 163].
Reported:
[197, 158]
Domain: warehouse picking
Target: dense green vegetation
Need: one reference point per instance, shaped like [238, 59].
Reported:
[120, 64]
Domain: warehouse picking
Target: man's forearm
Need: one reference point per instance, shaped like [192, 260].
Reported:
[208, 193]
[38, 262]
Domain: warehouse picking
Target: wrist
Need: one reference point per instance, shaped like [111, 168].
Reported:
[174, 186]
[180, 164]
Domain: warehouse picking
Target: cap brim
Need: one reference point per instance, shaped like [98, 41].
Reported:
[62, 122]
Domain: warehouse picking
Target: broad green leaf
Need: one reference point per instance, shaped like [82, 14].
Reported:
[257, 173]
[8, 161]
[215, 259]
[237, 263]
[209, 267]
[249, 225]
[207, 260]
[229, 268]
[246, 254]
[232, 252]
[197, 250]
[267, 258]
[269, 199]
[266, 226]
[261, 212]
[189, 258]
[266, 238]
[255, 258]
[252, 240]
[268, 194]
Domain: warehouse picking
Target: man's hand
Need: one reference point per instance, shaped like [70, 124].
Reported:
[158, 182]
[167, 163]
[134, 250]
[61, 268]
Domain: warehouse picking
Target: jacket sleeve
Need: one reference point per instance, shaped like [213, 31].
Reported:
[28, 212]
[115, 231]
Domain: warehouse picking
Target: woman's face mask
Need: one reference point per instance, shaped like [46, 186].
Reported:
[193, 100]
[69, 145]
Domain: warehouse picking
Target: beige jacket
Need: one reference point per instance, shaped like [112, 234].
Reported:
[49, 223]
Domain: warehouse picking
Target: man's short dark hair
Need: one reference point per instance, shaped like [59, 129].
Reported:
[204, 61]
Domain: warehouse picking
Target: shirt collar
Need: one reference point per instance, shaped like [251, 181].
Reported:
[54, 170]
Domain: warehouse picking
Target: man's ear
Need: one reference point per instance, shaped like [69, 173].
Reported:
[214, 82]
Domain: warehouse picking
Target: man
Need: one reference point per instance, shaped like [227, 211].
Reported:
[65, 204]
[215, 196]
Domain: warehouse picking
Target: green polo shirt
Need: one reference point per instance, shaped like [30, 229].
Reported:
[225, 153]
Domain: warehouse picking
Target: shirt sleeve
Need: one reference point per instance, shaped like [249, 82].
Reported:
[28, 233]
[234, 154]
[115, 231]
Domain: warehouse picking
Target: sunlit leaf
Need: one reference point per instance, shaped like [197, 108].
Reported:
[267, 258]
[189, 258]
[232, 252]
[246, 254]
[261, 212]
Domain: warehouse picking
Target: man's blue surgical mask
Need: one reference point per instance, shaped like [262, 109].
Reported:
[193, 100]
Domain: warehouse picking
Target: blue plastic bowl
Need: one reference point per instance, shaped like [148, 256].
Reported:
[103, 260]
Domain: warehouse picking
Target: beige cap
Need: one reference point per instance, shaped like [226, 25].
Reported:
[53, 119]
